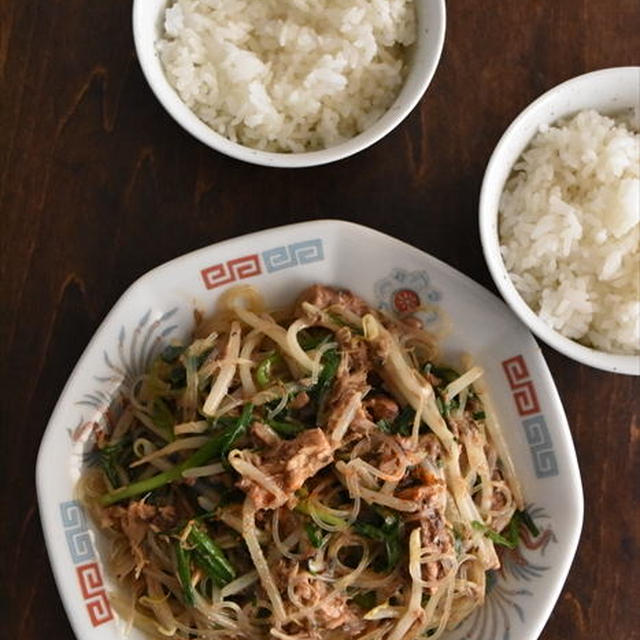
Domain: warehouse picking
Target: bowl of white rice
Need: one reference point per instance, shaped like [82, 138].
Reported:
[289, 83]
[560, 218]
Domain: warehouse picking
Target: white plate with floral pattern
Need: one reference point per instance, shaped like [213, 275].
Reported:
[388, 274]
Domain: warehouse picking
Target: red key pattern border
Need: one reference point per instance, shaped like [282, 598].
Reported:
[92, 587]
[231, 270]
[274, 259]
[94, 593]
[524, 393]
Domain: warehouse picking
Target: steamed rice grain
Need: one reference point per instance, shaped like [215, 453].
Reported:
[287, 75]
[570, 229]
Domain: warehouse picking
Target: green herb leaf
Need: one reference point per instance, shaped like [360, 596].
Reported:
[494, 535]
[478, 415]
[388, 533]
[402, 424]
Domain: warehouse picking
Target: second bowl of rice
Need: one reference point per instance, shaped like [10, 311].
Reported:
[560, 218]
[288, 83]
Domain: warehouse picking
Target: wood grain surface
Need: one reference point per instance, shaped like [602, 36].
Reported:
[98, 185]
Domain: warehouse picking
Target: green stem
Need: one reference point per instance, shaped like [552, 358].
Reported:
[184, 572]
[211, 557]
[494, 536]
[217, 446]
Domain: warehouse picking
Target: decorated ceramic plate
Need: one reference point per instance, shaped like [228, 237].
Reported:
[390, 275]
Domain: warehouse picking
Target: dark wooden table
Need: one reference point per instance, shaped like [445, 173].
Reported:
[98, 185]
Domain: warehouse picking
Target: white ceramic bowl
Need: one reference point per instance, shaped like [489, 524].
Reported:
[607, 91]
[424, 58]
[390, 275]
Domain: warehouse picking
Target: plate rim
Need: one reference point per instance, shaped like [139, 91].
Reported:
[75, 614]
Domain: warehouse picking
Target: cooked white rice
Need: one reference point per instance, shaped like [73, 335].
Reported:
[569, 229]
[287, 75]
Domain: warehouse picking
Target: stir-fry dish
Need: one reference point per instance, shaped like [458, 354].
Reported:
[307, 474]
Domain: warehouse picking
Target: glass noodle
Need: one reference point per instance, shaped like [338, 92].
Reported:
[305, 474]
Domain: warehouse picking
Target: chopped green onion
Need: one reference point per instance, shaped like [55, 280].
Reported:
[211, 557]
[263, 370]
[184, 572]
[218, 447]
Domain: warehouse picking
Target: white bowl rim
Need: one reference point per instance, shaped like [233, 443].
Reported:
[184, 117]
[617, 363]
